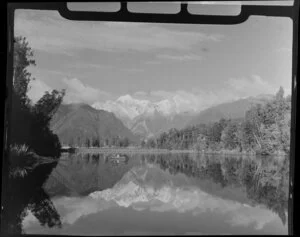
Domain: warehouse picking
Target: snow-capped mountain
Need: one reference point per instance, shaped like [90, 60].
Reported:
[150, 187]
[146, 118]
[127, 106]
[141, 184]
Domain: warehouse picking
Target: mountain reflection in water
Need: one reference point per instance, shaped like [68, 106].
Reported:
[155, 194]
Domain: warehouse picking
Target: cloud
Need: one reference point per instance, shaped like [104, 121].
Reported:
[247, 216]
[29, 220]
[153, 62]
[47, 31]
[132, 70]
[193, 101]
[189, 199]
[37, 89]
[184, 57]
[88, 66]
[72, 208]
[161, 94]
[252, 86]
[176, 101]
[141, 95]
[77, 92]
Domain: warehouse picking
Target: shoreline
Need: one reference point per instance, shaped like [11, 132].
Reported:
[165, 151]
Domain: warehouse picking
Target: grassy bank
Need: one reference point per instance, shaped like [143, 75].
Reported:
[22, 161]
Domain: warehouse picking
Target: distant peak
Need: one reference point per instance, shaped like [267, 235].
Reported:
[124, 98]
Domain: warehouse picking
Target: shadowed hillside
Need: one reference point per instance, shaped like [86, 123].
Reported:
[230, 110]
[147, 125]
[76, 123]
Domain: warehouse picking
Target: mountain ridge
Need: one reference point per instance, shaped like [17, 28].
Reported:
[146, 120]
[75, 123]
[151, 122]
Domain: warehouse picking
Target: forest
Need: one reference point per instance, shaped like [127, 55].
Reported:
[264, 130]
[115, 141]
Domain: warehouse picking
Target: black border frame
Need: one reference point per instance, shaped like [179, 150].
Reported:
[182, 17]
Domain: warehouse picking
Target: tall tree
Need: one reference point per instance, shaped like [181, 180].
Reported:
[23, 58]
[230, 136]
[48, 104]
[30, 123]
[202, 143]
[87, 142]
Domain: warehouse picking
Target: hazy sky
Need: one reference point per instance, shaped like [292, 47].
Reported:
[203, 64]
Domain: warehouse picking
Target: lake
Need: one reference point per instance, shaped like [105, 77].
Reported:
[90, 194]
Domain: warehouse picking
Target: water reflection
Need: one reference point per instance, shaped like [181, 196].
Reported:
[177, 193]
[25, 194]
[265, 179]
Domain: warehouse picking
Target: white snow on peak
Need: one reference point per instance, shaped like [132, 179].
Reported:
[128, 107]
[125, 98]
[166, 107]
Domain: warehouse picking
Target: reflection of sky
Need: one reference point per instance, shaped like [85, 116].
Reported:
[135, 192]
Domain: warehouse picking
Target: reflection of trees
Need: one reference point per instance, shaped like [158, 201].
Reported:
[267, 186]
[95, 159]
[265, 180]
[232, 167]
[25, 194]
[86, 158]
[43, 209]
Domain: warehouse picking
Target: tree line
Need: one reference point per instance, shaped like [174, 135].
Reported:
[265, 129]
[115, 141]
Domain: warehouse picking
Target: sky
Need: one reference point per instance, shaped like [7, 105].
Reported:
[201, 64]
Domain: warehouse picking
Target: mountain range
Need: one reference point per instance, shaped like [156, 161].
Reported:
[137, 119]
[145, 185]
[146, 119]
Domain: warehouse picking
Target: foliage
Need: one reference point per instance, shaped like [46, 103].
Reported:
[26, 193]
[30, 122]
[265, 129]
[23, 58]
[116, 141]
[18, 160]
[230, 137]
[202, 143]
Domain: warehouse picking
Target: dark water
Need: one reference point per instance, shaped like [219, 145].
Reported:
[87, 194]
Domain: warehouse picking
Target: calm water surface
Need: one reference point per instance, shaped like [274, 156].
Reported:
[88, 194]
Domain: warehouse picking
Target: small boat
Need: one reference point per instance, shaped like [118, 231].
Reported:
[117, 158]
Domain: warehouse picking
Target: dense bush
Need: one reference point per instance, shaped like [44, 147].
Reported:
[264, 130]
[30, 122]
